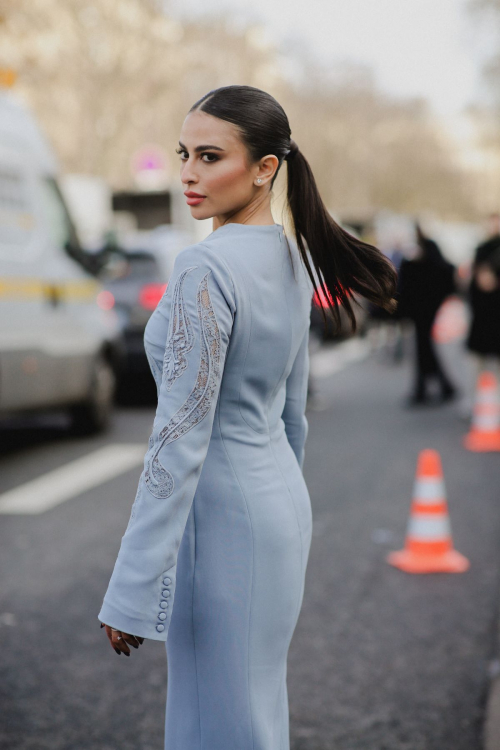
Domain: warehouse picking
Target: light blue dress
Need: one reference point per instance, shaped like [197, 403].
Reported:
[216, 548]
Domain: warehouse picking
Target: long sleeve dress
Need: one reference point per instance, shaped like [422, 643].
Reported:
[214, 556]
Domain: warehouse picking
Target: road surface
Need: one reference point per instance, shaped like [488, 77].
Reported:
[380, 660]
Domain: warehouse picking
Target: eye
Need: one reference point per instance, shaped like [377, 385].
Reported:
[211, 157]
[183, 154]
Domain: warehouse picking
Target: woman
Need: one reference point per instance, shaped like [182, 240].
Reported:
[216, 548]
[424, 284]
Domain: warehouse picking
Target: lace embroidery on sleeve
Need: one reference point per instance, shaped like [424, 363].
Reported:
[159, 480]
[180, 336]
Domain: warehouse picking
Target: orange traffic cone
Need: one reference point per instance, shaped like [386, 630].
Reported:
[484, 435]
[429, 547]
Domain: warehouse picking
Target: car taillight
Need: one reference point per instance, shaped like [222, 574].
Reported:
[150, 295]
[105, 300]
[319, 298]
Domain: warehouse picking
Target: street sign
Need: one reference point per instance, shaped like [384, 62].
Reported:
[150, 167]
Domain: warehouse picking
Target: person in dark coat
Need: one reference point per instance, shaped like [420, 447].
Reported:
[424, 284]
[484, 295]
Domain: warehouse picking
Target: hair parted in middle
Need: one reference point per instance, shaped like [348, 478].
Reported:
[344, 265]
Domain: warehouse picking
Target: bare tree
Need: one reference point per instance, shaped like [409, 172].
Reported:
[489, 12]
[376, 152]
[107, 77]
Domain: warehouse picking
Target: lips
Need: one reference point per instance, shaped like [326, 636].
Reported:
[193, 199]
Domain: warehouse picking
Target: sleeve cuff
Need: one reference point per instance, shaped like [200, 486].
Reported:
[154, 630]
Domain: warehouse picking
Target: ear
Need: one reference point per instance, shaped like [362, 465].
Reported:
[266, 169]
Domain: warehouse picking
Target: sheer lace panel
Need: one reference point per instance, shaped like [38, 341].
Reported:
[180, 337]
[159, 480]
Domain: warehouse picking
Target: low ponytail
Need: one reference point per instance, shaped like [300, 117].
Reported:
[343, 265]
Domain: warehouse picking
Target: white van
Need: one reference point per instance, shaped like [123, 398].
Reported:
[58, 347]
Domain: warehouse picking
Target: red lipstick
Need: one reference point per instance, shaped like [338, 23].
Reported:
[193, 199]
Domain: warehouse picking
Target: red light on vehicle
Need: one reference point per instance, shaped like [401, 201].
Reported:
[150, 295]
[320, 299]
[105, 300]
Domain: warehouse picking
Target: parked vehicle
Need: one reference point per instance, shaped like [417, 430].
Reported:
[135, 279]
[58, 347]
[332, 332]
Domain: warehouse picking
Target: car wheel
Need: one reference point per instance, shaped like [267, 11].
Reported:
[94, 414]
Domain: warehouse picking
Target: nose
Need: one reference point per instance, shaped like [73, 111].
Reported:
[188, 175]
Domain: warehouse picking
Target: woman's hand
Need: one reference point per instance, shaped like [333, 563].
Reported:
[121, 641]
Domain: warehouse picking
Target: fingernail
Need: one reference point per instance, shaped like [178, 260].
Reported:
[126, 654]
[102, 624]
[117, 651]
[133, 645]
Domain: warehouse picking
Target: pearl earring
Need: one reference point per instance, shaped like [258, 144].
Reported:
[259, 180]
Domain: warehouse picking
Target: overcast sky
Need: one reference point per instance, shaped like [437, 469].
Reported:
[430, 48]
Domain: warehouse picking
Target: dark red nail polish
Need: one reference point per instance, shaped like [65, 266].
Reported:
[117, 651]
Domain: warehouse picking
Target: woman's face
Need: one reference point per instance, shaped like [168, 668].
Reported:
[216, 173]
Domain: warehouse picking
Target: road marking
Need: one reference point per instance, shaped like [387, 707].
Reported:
[98, 467]
[333, 359]
[72, 479]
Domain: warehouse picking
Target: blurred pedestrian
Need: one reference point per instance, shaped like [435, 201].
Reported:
[424, 283]
[483, 340]
[216, 548]
[384, 328]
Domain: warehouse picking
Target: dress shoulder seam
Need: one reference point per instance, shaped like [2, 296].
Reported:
[223, 262]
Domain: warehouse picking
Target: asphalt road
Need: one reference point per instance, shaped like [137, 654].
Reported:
[380, 660]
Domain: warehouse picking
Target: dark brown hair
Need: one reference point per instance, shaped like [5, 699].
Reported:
[344, 265]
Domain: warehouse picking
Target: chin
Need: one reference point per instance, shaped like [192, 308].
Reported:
[199, 215]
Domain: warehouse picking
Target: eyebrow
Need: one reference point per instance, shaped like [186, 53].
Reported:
[206, 147]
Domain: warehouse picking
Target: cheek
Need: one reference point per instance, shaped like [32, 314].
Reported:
[228, 177]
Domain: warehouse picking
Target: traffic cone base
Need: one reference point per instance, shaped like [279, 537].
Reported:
[482, 442]
[449, 562]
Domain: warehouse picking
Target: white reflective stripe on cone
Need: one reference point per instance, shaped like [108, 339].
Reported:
[429, 527]
[489, 396]
[484, 421]
[428, 489]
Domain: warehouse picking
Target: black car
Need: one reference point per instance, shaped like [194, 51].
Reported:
[135, 279]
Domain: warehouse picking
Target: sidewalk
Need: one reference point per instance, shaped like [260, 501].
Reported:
[492, 719]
